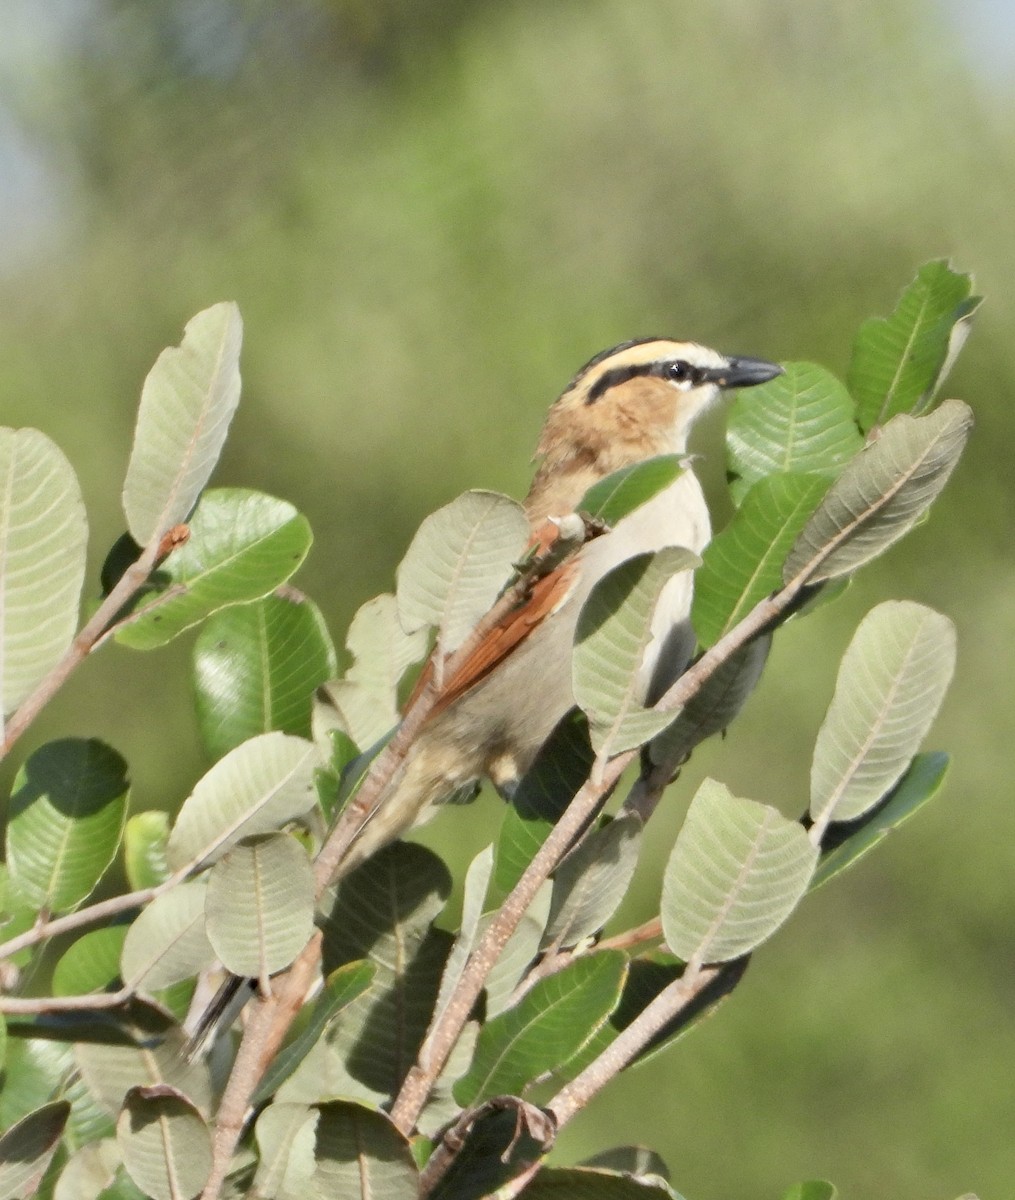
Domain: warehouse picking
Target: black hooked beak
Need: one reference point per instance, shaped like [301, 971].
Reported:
[743, 372]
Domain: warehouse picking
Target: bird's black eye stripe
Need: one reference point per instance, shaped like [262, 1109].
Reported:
[672, 370]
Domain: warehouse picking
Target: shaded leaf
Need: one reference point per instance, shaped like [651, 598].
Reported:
[342, 986]
[738, 869]
[586, 1183]
[802, 421]
[545, 1028]
[714, 707]
[144, 849]
[614, 630]
[621, 493]
[91, 963]
[66, 817]
[590, 883]
[187, 403]
[366, 697]
[165, 1143]
[27, 1148]
[477, 881]
[639, 1161]
[256, 667]
[286, 1134]
[256, 788]
[881, 494]
[362, 1156]
[168, 941]
[458, 562]
[88, 1172]
[260, 905]
[43, 538]
[891, 683]
[851, 842]
[242, 545]
[498, 1144]
[899, 361]
[743, 563]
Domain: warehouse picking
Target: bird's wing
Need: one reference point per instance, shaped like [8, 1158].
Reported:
[546, 594]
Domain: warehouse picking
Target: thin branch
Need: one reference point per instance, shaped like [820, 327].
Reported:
[650, 931]
[34, 1006]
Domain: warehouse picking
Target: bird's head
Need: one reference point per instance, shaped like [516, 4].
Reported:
[629, 403]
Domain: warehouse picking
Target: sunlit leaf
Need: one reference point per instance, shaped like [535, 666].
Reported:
[737, 871]
[545, 1028]
[614, 630]
[621, 493]
[899, 361]
[88, 1172]
[165, 1143]
[518, 954]
[256, 667]
[881, 493]
[812, 1189]
[242, 545]
[43, 538]
[91, 963]
[168, 941]
[891, 683]
[66, 817]
[477, 881]
[801, 422]
[366, 697]
[457, 563]
[187, 403]
[256, 788]
[260, 905]
[144, 849]
[743, 563]
[285, 1134]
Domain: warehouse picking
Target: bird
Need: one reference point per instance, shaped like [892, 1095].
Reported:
[627, 404]
[632, 402]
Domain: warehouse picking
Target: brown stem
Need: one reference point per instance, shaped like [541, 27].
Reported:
[37, 1005]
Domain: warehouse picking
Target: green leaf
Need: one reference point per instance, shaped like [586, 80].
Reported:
[168, 941]
[812, 1189]
[851, 842]
[382, 911]
[242, 545]
[881, 494]
[801, 422]
[187, 403]
[638, 1161]
[584, 1183]
[548, 1026]
[621, 493]
[362, 1156]
[286, 1135]
[43, 538]
[165, 1143]
[88, 1172]
[497, 1147]
[90, 964]
[891, 683]
[477, 882]
[714, 707]
[366, 697]
[562, 765]
[256, 667]
[342, 986]
[159, 1057]
[458, 562]
[899, 361]
[516, 957]
[738, 869]
[256, 788]
[743, 563]
[27, 1148]
[144, 849]
[590, 883]
[260, 905]
[67, 813]
[614, 630]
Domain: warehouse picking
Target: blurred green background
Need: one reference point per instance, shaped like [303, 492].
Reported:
[430, 215]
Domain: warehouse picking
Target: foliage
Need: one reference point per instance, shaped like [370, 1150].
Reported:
[385, 1054]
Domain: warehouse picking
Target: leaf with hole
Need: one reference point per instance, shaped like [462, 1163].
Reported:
[43, 539]
[738, 869]
[187, 403]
